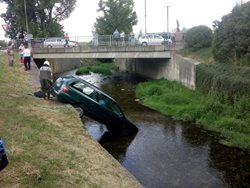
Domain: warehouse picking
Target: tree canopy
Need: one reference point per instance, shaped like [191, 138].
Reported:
[232, 36]
[43, 16]
[115, 14]
[199, 37]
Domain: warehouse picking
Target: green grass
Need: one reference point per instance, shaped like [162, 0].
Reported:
[203, 55]
[46, 143]
[230, 120]
[101, 68]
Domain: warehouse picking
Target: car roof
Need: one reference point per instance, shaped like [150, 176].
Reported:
[53, 38]
[150, 34]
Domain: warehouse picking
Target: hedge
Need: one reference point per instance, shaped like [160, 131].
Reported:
[228, 79]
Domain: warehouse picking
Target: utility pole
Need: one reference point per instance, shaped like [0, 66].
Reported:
[168, 19]
[145, 16]
[25, 11]
[27, 26]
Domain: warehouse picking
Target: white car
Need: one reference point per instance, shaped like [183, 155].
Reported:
[151, 39]
[57, 42]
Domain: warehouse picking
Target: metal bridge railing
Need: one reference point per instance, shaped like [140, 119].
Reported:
[88, 41]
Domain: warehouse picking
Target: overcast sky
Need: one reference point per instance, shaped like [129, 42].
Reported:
[189, 13]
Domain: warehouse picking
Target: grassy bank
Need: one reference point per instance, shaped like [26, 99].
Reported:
[96, 67]
[203, 55]
[230, 120]
[46, 143]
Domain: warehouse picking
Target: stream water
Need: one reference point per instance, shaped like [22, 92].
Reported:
[167, 153]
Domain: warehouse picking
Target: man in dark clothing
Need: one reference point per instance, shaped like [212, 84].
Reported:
[45, 78]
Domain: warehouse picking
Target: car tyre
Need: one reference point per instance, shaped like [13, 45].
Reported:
[144, 44]
[81, 110]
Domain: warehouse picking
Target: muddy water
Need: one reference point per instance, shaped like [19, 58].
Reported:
[167, 153]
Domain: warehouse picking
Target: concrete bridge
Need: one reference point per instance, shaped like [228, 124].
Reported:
[103, 52]
[151, 61]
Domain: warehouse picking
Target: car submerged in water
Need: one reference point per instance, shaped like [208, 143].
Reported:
[91, 101]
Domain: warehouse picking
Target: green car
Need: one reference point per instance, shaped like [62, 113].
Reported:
[91, 101]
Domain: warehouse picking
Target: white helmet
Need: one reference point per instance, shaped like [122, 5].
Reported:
[46, 63]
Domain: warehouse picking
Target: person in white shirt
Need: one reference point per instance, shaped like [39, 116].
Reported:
[26, 57]
[122, 35]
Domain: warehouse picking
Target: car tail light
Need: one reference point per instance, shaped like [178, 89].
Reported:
[65, 89]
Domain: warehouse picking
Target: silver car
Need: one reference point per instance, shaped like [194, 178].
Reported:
[151, 39]
[57, 42]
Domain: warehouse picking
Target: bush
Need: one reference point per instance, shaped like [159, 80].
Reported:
[232, 36]
[230, 80]
[198, 37]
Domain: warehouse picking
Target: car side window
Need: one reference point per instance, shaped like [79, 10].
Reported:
[83, 88]
[114, 107]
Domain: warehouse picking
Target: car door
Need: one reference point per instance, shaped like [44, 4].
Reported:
[150, 40]
[59, 43]
[109, 113]
[157, 40]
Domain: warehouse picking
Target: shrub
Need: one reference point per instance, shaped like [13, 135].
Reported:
[102, 68]
[232, 36]
[198, 37]
[230, 80]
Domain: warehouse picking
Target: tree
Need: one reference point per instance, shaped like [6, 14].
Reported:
[198, 37]
[43, 16]
[232, 36]
[116, 14]
[3, 44]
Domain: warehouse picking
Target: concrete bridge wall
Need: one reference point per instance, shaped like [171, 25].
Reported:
[177, 68]
[60, 65]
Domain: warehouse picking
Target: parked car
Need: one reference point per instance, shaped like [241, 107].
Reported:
[57, 42]
[91, 101]
[150, 39]
[167, 38]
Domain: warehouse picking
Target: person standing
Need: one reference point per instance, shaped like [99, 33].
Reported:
[66, 37]
[132, 38]
[20, 51]
[10, 53]
[122, 38]
[45, 75]
[26, 57]
[116, 36]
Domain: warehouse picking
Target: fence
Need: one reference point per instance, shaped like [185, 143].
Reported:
[86, 41]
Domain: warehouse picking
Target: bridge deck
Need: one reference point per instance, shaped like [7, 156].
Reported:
[104, 52]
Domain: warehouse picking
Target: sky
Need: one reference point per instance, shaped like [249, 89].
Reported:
[189, 13]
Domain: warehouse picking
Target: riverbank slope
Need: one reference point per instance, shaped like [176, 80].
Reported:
[46, 143]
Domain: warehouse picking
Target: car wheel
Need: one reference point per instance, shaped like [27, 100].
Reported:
[80, 110]
[144, 44]
[49, 46]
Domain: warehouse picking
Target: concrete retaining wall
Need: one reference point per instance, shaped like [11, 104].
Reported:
[62, 65]
[177, 68]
